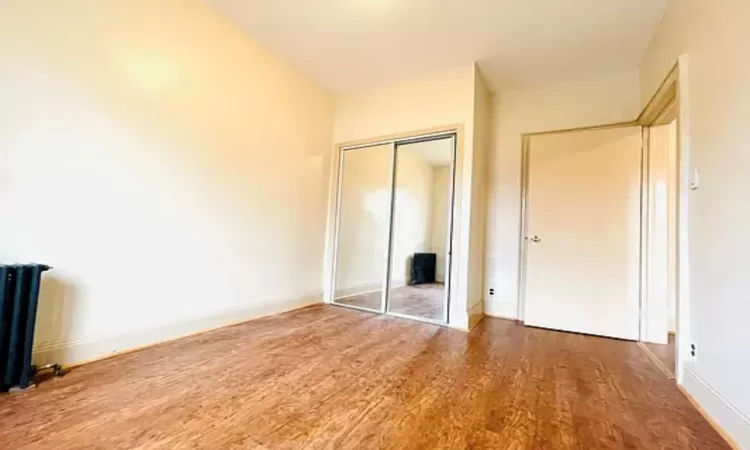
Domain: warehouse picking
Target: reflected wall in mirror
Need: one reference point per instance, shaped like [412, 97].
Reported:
[363, 226]
[421, 229]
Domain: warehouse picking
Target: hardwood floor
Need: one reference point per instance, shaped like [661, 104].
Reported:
[328, 377]
[423, 300]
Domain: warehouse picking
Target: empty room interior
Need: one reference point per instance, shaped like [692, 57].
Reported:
[374, 224]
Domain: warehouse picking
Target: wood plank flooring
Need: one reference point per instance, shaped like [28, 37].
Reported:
[328, 377]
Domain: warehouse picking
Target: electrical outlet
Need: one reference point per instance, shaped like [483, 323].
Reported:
[693, 351]
[492, 291]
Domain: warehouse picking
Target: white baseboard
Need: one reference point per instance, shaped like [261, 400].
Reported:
[476, 314]
[501, 310]
[458, 319]
[734, 424]
[86, 350]
[465, 321]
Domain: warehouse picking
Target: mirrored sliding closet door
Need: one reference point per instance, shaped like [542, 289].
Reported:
[394, 227]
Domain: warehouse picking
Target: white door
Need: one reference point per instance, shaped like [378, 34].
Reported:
[583, 232]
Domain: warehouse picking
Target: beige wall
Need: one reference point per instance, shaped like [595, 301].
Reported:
[589, 102]
[482, 143]
[441, 176]
[171, 169]
[714, 133]
[442, 98]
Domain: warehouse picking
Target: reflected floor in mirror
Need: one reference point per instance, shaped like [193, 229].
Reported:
[421, 300]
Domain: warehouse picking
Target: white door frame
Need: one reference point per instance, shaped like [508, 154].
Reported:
[672, 91]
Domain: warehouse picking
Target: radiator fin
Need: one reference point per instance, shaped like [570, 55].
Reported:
[19, 297]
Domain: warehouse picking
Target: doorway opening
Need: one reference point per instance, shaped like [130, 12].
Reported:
[662, 282]
[394, 227]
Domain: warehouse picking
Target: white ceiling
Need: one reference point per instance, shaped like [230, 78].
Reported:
[353, 44]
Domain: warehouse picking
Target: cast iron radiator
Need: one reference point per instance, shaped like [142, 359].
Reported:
[19, 296]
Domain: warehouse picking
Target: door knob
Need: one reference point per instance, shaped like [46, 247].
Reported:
[535, 238]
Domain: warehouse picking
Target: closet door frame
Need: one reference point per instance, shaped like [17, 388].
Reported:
[385, 295]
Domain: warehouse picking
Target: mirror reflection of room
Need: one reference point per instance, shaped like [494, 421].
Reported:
[364, 223]
[421, 221]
